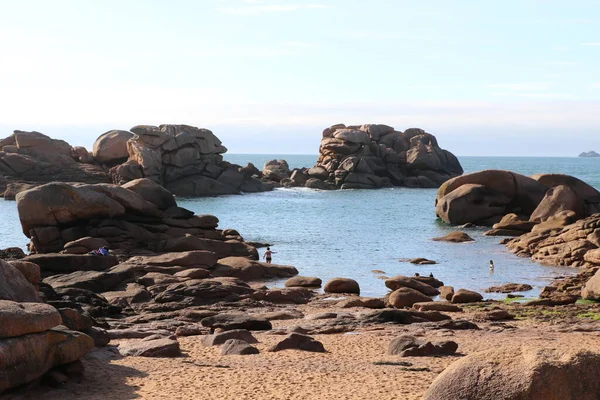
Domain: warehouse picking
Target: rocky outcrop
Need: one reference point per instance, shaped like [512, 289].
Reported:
[34, 158]
[485, 197]
[589, 154]
[184, 159]
[373, 156]
[525, 373]
[562, 241]
[59, 216]
[32, 338]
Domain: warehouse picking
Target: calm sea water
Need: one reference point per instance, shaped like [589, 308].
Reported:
[351, 233]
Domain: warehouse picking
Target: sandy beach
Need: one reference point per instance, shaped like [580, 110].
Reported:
[354, 366]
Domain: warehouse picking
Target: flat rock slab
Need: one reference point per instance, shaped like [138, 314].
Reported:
[437, 306]
[509, 288]
[454, 237]
[52, 263]
[297, 341]
[151, 348]
[237, 321]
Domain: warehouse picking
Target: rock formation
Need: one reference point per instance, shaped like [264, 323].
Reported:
[33, 338]
[184, 159]
[485, 197]
[34, 158]
[373, 156]
[56, 216]
[588, 154]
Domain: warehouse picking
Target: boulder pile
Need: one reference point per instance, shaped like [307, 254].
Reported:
[372, 156]
[140, 215]
[184, 159]
[33, 337]
[30, 158]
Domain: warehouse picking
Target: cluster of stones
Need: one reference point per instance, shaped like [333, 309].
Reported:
[374, 156]
[554, 219]
[36, 339]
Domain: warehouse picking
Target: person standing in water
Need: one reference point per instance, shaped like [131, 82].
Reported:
[267, 255]
[491, 265]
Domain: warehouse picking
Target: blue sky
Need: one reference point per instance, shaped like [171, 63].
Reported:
[487, 78]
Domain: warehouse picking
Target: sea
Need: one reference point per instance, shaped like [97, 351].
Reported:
[368, 235]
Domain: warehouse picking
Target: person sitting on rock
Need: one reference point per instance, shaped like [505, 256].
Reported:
[267, 255]
[102, 251]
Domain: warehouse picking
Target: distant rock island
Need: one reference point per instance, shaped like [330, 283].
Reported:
[588, 154]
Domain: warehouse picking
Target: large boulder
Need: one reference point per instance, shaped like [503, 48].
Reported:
[483, 196]
[57, 204]
[342, 285]
[111, 147]
[466, 296]
[26, 358]
[14, 286]
[406, 297]
[399, 281]
[557, 199]
[523, 373]
[22, 318]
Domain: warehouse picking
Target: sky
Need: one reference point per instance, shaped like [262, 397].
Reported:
[510, 78]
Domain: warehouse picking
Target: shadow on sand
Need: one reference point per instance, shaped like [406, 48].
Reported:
[102, 380]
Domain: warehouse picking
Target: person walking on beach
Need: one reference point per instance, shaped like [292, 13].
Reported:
[267, 255]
